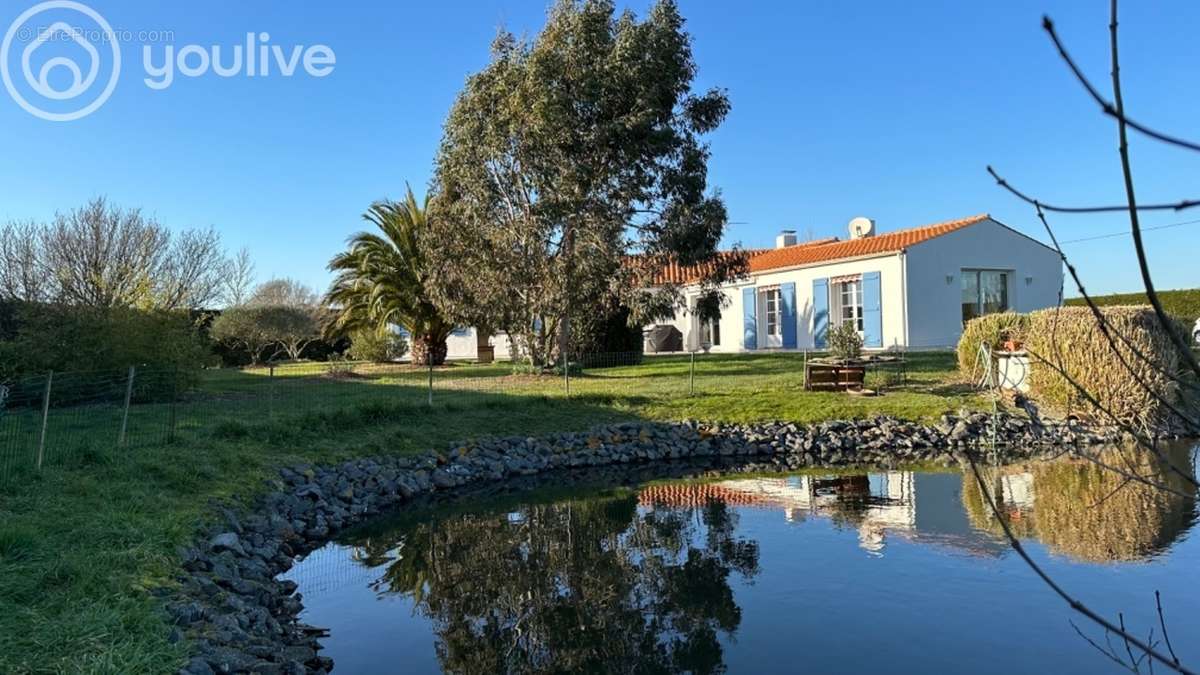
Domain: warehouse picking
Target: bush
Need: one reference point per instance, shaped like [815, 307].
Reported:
[990, 329]
[845, 343]
[64, 338]
[376, 346]
[1183, 304]
[1069, 339]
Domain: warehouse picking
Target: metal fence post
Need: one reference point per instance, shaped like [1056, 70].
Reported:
[692, 377]
[271, 392]
[566, 372]
[430, 357]
[174, 398]
[45, 420]
[121, 442]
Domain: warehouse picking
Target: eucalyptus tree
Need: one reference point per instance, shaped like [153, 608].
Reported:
[571, 168]
[382, 281]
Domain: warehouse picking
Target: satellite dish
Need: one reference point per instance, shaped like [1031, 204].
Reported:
[861, 227]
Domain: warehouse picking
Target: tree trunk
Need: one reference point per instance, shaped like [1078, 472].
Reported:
[426, 350]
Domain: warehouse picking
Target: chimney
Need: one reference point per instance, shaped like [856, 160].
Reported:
[785, 238]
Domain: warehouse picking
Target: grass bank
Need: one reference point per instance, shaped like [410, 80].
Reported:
[85, 545]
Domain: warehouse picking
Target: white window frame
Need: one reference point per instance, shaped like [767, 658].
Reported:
[839, 292]
[771, 302]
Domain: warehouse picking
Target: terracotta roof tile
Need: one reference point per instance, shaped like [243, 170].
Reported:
[809, 254]
[679, 274]
[675, 273]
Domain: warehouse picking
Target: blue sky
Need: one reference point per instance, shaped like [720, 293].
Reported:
[888, 110]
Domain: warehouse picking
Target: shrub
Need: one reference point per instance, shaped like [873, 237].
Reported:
[990, 329]
[380, 347]
[104, 342]
[1069, 339]
[844, 342]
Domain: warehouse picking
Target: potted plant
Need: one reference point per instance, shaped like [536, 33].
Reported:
[845, 344]
[1010, 340]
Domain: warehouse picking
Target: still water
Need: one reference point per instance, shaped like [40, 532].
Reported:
[896, 572]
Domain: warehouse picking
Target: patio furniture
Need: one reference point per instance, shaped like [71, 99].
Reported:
[832, 375]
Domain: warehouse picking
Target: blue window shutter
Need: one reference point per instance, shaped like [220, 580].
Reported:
[750, 318]
[872, 311]
[820, 302]
[787, 295]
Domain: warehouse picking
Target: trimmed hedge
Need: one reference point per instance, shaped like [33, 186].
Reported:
[1183, 304]
[1071, 340]
[989, 328]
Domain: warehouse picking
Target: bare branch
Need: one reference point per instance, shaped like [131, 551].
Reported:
[1074, 603]
[239, 278]
[1108, 652]
[1162, 623]
[1174, 206]
[1109, 109]
[1103, 322]
[1134, 225]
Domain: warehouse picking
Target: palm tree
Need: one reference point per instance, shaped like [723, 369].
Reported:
[381, 280]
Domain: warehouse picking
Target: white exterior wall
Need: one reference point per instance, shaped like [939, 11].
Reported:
[731, 325]
[890, 291]
[934, 269]
[462, 345]
[732, 328]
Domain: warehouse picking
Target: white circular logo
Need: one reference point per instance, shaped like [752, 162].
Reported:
[40, 82]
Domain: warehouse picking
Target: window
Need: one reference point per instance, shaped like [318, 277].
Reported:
[847, 298]
[771, 303]
[983, 292]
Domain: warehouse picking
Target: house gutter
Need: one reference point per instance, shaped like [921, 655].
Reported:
[903, 254]
[823, 263]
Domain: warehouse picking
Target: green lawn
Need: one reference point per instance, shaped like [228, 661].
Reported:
[84, 543]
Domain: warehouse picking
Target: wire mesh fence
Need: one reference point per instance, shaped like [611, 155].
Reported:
[57, 419]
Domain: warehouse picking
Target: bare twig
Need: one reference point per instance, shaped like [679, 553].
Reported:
[1130, 476]
[1074, 603]
[1135, 227]
[1106, 329]
[1162, 623]
[1120, 486]
[1172, 206]
[1108, 652]
[1138, 436]
[1125, 635]
[1107, 106]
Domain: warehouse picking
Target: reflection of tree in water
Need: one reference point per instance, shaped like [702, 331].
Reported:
[591, 586]
[1084, 511]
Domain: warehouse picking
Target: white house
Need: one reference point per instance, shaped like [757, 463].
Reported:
[909, 288]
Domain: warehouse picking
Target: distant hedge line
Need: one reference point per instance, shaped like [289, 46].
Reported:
[1183, 304]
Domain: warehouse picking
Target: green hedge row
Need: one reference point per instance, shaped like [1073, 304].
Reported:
[1183, 304]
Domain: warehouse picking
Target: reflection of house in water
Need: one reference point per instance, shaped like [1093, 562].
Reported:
[922, 507]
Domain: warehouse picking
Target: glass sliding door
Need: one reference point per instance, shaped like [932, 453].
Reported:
[984, 292]
[993, 291]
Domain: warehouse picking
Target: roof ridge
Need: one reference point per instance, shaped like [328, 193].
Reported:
[953, 221]
[840, 249]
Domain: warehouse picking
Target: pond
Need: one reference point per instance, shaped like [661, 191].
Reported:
[888, 571]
